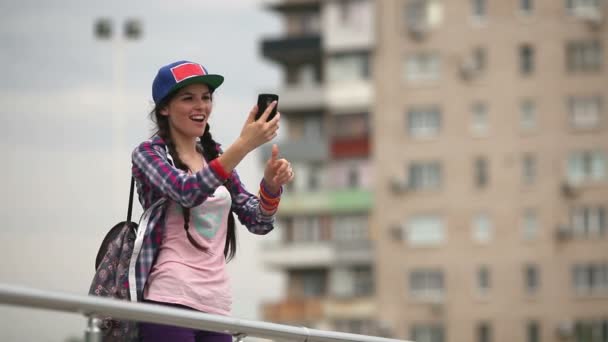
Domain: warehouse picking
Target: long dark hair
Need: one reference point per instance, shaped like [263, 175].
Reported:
[210, 152]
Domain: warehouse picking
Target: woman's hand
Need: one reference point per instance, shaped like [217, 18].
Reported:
[278, 171]
[258, 132]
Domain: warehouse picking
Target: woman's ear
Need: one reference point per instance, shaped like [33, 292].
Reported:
[164, 111]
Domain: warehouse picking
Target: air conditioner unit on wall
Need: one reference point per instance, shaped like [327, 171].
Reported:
[468, 68]
[590, 14]
[399, 185]
[417, 31]
[568, 189]
[563, 232]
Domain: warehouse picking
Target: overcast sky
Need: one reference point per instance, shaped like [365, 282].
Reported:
[63, 111]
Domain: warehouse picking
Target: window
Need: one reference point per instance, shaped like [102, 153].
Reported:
[584, 56]
[312, 128]
[427, 333]
[314, 177]
[346, 67]
[527, 114]
[591, 330]
[479, 118]
[533, 331]
[532, 279]
[423, 14]
[479, 9]
[426, 284]
[350, 125]
[352, 13]
[363, 279]
[424, 175]
[484, 332]
[307, 229]
[481, 172]
[585, 166]
[423, 66]
[352, 177]
[530, 224]
[590, 278]
[356, 326]
[425, 230]
[304, 24]
[350, 228]
[483, 280]
[482, 228]
[589, 221]
[526, 59]
[528, 169]
[585, 112]
[526, 6]
[424, 121]
[312, 282]
[574, 5]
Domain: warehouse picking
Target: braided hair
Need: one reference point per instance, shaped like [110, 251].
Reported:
[210, 152]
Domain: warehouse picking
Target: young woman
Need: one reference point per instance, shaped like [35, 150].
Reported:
[192, 189]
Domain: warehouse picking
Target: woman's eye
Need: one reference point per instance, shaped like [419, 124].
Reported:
[187, 98]
[206, 97]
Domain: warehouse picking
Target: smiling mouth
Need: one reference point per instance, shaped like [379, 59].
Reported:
[198, 118]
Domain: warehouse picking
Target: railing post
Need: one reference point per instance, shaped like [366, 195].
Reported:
[93, 331]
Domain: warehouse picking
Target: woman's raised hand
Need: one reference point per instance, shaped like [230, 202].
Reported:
[258, 132]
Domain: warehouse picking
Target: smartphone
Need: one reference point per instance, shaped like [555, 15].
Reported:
[264, 100]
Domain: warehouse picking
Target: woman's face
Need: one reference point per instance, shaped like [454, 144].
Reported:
[189, 110]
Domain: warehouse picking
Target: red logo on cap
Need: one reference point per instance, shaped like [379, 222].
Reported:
[187, 70]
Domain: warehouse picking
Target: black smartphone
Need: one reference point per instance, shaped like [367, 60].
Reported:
[264, 100]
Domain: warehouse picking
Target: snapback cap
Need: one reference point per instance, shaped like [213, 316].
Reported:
[177, 75]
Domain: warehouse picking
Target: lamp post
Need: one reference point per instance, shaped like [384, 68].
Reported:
[131, 31]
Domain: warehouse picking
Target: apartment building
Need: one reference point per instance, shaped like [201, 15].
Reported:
[477, 180]
[325, 99]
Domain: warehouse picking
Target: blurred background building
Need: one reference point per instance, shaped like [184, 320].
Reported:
[451, 161]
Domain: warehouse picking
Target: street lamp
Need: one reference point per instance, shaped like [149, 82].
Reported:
[103, 30]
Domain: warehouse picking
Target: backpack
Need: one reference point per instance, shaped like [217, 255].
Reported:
[111, 273]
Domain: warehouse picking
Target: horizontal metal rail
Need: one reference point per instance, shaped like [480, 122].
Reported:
[92, 306]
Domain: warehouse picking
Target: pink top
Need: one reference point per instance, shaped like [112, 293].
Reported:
[186, 275]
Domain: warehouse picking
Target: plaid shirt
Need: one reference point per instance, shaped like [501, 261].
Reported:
[157, 178]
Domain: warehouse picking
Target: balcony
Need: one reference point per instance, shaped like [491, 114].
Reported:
[334, 202]
[294, 311]
[356, 147]
[301, 151]
[345, 96]
[301, 98]
[301, 255]
[293, 49]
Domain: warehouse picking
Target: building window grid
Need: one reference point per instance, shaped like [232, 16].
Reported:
[484, 332]
[591, 330]
[530, 224]
[424, 121]
[424, 66]
[532, 279]
[426, 284]
[479, 118]
[529, 169]
[483, 280]
[533, 331]
[424, 175]
[590, 279]
[584, 56]
[526, 59]
[587, 165]
[481, 177]
[427, 333]
[585, 112]
[589, 221]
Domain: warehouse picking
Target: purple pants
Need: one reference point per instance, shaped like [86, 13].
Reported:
[150, 332]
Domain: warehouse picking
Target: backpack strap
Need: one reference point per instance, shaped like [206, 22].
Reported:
[130, 208]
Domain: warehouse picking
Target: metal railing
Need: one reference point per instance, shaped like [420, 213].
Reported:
[92, 307]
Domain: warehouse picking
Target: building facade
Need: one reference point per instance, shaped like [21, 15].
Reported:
[466, 144]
